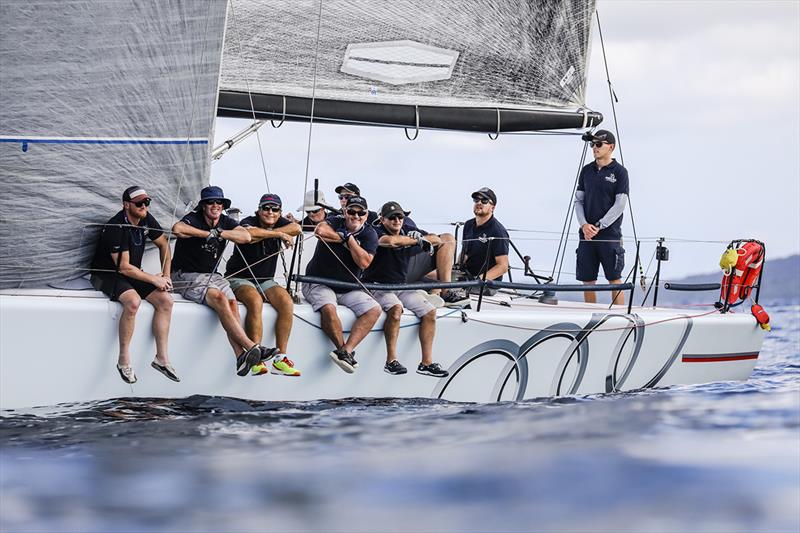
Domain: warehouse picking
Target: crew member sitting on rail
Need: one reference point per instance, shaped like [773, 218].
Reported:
[347, 246]
[202, 237]
[398, 240]
[251, 274]
[314, 213]
[485, 243]
[117, 271]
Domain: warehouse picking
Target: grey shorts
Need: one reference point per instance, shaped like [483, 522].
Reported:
[241, 282]
[414, 301]
[194, 285]
[318, 295]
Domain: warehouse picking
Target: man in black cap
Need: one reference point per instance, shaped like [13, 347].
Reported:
[251, 273]
[600, 200]
[117, 272]
[347, 247]
[398, 240]
[485, 246]
[202, 237]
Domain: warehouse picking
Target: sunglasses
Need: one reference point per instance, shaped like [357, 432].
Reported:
[598, 144]
[313, 211]
[483, 201]
[345, 196]
[214, 202]
[356, 212]
[272, 208]
[145, 202]
[396, 217]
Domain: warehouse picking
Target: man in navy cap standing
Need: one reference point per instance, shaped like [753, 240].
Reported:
[202, 237]
[251, 273]
[600, 200]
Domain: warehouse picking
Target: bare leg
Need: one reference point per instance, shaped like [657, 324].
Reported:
[229, 318]
[590, 297]
[444, 260]
[162, 315]
[254, 303]
[282, 302]
[331, 324]
[391, 330]
[427, 329]
[130, 305]
[362, 327]
[618, 297]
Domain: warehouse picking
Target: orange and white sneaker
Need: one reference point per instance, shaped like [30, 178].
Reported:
[284, 366]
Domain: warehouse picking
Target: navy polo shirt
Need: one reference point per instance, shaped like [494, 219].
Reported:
[600, 187]
[390, 265]
[194, 254]
[475, 251]
[329, 256]
[255, 253]
[118, 236]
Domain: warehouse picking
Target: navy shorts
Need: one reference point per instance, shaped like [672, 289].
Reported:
[113, 285]
[591, 254]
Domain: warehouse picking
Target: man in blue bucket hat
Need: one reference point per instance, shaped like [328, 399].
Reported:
[203, 235]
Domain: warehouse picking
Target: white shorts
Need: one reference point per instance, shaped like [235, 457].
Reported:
[194, 285]
[357, 301]
[414, 301]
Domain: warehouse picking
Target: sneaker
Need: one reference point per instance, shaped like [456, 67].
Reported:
[433, 370]
[259, 369]
[394, 367]
[126, 373]
[353, 359]
[434, 299]
[268, 353]
[248, 359]
[343, 360]
[455, 298]
[284, 366]
[167, 370]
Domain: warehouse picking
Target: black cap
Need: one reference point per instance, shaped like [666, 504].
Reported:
[349, 187]
[604, 136]
[357, 201]
[134, 193]
[270, 199]
[485, 192]
[393, 208]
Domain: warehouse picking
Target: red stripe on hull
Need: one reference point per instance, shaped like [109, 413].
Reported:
[715, 358]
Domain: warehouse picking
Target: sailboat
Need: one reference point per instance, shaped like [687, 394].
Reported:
[99, 95]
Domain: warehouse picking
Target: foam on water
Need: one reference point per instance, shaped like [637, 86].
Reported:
[719, 456]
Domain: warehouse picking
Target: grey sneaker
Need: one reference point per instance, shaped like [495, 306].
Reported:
[394, 367]
[246, 359]
[433, 370]
[343, 360]
[455, 298]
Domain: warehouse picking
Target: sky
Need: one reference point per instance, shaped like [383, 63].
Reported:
[709, 129]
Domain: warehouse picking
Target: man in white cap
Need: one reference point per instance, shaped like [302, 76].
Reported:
[117, 272]
[314, 213]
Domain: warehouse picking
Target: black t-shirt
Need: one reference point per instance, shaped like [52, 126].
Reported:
[194, 254]
[255, 252]
[475, 250]
[601, 187]
[117, 236]
[325, 264]
[390, 265]
[308, 225]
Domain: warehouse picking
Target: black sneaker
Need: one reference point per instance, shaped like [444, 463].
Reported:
[268, 353]
[455, 298]
[343, 360]
[433, 370]
[394, 367]
[353, 359]
[248, 358]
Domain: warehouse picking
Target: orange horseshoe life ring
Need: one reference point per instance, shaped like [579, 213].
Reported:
[738, 283]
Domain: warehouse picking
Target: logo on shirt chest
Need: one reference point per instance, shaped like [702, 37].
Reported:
[611, 178]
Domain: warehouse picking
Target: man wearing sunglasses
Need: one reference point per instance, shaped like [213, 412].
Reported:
[251, 273]
[314, 213]
[347, 247]
[485, 246]
[600, 200]
[202, 237]
[117, 271]
[398, 240]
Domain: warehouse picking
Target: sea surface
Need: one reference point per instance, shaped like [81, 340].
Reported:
[714, 457]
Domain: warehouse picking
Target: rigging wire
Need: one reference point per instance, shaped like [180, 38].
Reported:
[568, 218]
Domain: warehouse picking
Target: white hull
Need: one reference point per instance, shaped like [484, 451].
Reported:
[60, 346]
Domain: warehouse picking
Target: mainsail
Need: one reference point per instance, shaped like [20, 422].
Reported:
[443, 64]
[97, 95]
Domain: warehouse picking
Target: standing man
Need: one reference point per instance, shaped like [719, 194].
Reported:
[347, 247]
[397, 243]
[251, 273]
[600, 199]
[485, 245]
[117, 271]
[202, 237]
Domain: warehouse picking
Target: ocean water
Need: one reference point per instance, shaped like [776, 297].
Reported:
[713, 457]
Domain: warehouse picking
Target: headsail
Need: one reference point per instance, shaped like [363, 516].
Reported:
[450, 65]
[98, 95]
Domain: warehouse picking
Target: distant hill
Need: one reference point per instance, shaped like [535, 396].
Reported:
[781, 283]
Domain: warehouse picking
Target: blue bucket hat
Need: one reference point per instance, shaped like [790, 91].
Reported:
[214, 193]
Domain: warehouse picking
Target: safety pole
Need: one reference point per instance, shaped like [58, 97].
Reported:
[633, 281]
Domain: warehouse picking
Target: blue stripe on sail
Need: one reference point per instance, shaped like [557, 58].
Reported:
[103, 141]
